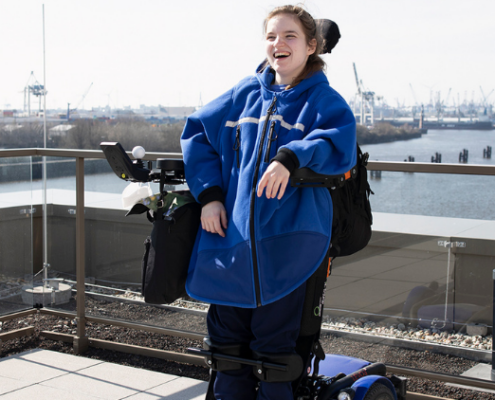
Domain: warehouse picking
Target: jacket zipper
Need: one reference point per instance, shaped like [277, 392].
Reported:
[270, 140]
[271, 110]
[237, 145]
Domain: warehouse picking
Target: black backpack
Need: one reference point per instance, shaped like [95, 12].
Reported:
[352, 218]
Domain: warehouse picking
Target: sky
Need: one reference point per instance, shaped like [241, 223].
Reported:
[188, 52]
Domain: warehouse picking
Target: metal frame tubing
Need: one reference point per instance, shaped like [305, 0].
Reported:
[17, 333]
[148, 352]
[27, 331]
[436, 376]
[493, 329]
[80, 341]
[393, 166]
[147, 328]
[126, 324]
[126, 348]
[20, 314]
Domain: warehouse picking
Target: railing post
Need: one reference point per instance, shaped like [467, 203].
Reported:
[80, 341]
[493, 328]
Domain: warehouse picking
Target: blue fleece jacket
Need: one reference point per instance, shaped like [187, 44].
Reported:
[271, 246]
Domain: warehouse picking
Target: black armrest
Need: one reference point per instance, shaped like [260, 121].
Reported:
[305, 177]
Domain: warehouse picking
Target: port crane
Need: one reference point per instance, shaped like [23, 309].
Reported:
[33, 87]
[71, 110]
[415, 107]
[367, 100]
[485, 100]
[441, 105]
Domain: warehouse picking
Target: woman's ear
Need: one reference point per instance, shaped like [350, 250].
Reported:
[312, 46]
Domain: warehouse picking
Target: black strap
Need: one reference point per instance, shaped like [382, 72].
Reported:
[158, 214]
[319, 355]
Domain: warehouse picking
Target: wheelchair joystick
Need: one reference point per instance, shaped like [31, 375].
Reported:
[138, 153]
[169, 171]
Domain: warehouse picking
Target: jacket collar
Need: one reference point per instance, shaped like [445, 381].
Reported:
[266, 76]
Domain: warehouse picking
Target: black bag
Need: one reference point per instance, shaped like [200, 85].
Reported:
[167, 253]
[352, 218]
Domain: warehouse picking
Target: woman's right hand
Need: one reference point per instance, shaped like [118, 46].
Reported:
[214, 218]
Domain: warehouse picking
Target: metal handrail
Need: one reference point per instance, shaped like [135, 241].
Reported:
[75, 153]
[392, 166]
[434, 168]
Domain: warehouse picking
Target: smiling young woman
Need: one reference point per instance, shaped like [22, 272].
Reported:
[261, 239]
[287, 50]
[303, 29]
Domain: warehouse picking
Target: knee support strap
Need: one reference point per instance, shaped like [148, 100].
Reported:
[292, 361]
[236, 350]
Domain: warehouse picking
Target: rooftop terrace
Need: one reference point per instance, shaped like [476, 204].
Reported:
[418, 274]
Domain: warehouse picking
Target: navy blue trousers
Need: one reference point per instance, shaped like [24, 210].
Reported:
[273, 328]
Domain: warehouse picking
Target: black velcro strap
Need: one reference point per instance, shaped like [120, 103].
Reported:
[217, 364]
[293, 362]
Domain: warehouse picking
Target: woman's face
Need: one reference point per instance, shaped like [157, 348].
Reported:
[286, 47]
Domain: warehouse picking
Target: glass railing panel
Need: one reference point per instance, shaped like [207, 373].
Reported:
[388, 279]
[439, 195]
[415, 291]
[474, 261]
[114, 250]
[17, 216]
[57, 273]
[442, 300]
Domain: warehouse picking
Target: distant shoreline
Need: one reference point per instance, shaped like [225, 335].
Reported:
[385, 133]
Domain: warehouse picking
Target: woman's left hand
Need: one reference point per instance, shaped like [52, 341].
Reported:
[275, 180]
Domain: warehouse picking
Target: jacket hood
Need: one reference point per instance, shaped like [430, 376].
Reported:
[266, 76]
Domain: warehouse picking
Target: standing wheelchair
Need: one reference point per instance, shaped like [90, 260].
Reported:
[314, 374]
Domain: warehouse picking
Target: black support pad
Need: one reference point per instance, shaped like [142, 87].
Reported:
[236, 350]
[293, 362]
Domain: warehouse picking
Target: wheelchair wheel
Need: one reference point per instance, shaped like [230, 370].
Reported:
[379, 391]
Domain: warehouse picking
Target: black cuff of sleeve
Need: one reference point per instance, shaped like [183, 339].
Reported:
[213, 193]
[287, 158]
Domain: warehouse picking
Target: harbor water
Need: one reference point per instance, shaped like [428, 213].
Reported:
[446, 195]
[443, 195]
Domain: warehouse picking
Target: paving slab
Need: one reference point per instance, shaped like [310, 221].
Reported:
[177, 389]
[44, 374]
[9, 384]
[110, 381]
[479, 371]
[36, 366]
[41, 392]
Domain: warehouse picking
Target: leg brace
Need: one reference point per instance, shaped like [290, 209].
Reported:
[267, 367]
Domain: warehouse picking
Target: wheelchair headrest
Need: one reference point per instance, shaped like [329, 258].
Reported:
[330, 33]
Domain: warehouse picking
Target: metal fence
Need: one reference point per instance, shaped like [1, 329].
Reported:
[80, 339]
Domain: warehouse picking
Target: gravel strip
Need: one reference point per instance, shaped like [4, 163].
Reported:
[424, 360]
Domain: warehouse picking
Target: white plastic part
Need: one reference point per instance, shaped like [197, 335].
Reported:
[138, 152]
[134, 192]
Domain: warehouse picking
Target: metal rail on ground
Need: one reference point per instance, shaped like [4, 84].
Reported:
[473, 383]
[81, 341]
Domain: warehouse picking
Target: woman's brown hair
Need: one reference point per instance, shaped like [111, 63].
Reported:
[315, 62]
